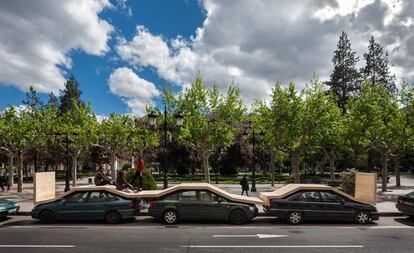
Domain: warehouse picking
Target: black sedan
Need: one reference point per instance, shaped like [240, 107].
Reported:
[405, 204]
[307, 205]
[87, 205]
[200, 205]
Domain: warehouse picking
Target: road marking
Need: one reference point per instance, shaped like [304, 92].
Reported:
[386, 227]
[260, 236]
[271, 246]
[36, 246]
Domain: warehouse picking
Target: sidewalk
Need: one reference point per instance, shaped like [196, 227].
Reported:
[385, 201]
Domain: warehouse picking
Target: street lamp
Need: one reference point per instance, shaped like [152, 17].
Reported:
[248, 129]
[179, 119]
[75, 136]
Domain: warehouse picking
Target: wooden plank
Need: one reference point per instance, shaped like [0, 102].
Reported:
[365, 187]
[44, 186]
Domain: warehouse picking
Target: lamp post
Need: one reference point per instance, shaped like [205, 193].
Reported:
[179, 118]
[248, 129]
[75, 135]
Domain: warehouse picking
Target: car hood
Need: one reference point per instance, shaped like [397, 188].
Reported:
[5, 202]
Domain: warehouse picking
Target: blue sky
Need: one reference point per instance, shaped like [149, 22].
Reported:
[122, 51]
[169, 18]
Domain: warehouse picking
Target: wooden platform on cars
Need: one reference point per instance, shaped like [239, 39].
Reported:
[159, 193]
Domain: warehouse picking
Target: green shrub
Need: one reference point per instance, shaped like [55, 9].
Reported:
[148, 180]
[348, 181]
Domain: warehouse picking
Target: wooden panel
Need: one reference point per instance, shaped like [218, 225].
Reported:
[44, 186]
[365, 187]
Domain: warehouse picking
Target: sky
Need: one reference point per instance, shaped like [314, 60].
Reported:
[123, 52]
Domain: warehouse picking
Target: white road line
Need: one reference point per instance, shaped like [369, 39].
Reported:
[271, 246]
[261, 236]
[36, 246]
[388, 227]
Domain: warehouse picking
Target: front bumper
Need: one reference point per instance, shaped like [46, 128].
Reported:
[374, 216]
[405, 209]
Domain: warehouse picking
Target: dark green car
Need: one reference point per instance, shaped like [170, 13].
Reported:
[200, 205]
[7, 207]
[87, 204]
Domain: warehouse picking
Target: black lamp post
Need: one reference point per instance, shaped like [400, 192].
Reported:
[75, 136]
[179, 119]
[248, 129]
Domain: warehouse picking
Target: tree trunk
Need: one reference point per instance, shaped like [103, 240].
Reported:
[397, 172]
[20, 173]
[114, 166]
[11, 165]
[205, 157]
[272, 164]
[331, 167]
[295, 167]
[384, 171]
[74, 168]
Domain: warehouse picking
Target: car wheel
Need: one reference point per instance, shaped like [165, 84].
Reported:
[238, 217]
[113, 217]
[362, 217]
[295, 217]
[170, 217]
[47, 216]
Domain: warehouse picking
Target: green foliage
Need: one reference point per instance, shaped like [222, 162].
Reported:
[71, 95]
[348, 181]
[148, 180]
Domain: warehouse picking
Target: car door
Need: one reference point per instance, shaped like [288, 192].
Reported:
[94, 207]
[336, 208]
[213, 207]
[72, 206]
[309, 203]
[188, 205]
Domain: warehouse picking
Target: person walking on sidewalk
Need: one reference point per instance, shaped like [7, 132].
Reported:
[139, 169]
[245, 185]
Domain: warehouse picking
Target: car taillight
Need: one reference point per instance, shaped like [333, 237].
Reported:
[152, 204]
[131, 204]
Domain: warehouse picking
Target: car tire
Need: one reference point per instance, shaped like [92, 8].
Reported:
[294, 217]
[113, 217]
[238, 217]
[363, 217]
[170, 217]
[47, 217]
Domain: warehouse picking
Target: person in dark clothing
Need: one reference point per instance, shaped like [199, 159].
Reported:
[139, 169]
[121, 182]
[101, 178]
[245, 185]
[4, 182]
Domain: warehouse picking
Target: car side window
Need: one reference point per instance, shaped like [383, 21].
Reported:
[188, 196]
[309, 196]
[77, 197]
[331, 197]
[173, 196]
[208, 196]
[101, 196]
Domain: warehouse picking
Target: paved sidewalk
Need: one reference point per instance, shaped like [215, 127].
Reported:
[385, 201]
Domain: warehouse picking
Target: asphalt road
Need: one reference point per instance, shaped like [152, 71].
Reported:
[390, 234]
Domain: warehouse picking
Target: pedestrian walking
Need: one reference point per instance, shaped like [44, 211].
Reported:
[121, 182]
[245, 185]
[139, 169]
[101, 178]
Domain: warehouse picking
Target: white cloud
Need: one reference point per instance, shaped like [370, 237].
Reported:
[257, 43]
[36, 38]
[136, 92]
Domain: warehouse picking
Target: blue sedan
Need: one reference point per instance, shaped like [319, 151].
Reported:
[87, 205]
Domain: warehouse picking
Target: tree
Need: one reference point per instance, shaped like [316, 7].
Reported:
[376, 68]
[209, 118]
[53, 101]
[379, 123]
[344, 81]
[71, 95]
[32, 100]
